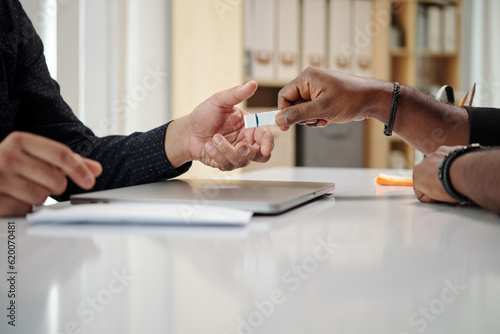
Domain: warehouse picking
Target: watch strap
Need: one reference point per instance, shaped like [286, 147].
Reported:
[444, 172]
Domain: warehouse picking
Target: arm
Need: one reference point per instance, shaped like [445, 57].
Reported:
[161, 153]
[32, 109]
[321, 96]
[474, 175]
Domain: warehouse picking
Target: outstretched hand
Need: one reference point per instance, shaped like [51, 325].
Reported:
[320, 96]
[215, 133]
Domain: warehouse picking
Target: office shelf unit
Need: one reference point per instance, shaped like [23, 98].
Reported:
[404, 53]
[307, 33]
[208, 55]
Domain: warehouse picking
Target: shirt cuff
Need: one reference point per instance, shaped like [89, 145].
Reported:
[484, 125]
[151, 159]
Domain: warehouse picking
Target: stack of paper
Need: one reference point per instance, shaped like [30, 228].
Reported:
[140, 213]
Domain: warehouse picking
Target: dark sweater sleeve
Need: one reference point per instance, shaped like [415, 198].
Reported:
[127, 160]
[484, 126]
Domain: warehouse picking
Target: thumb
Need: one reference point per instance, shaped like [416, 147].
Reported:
[296, 113]
[230, 97]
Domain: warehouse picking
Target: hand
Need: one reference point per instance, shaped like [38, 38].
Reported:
[319, 96]
[214, 133]
[33, 167]
[426, 184]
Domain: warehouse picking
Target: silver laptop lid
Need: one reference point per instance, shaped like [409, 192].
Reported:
[269, 197]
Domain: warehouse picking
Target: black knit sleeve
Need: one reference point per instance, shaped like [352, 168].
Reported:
[484, 126]
[34, 103]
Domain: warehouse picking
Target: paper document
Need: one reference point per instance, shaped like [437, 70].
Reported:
[140, 213]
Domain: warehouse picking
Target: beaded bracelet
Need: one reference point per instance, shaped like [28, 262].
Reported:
[395, 97]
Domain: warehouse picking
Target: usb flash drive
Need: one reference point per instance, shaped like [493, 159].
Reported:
[260, 119]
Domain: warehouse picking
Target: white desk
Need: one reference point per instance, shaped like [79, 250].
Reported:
[395, 266]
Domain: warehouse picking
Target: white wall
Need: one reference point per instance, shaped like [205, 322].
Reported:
[148, 64]
[481, 50]
[110, 58]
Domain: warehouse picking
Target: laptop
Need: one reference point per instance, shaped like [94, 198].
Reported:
[262, 197]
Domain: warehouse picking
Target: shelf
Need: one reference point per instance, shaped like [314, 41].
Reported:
[400, 52]
[406, 63]
[425, 53]
[439, 2]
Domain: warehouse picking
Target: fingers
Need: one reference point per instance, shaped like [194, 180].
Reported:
[315, 123]
[426, 184]
[423, 197]
[58, 155]
[94, 166]
[297, 113]
[33, 167]
[27, 191]
[265, 139]
[304, 88]
[226, 155]
[23, 166]
[233, 96]
[289, 95]
[10, 207]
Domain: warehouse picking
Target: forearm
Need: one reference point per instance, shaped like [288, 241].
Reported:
[420, 120]
[127, 160]
[476, 175]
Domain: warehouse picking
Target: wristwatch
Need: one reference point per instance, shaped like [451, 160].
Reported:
[444, 172]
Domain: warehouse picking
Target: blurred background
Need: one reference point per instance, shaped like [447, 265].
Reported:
[132, 65]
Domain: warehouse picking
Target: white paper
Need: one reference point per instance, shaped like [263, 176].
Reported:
[140, 213]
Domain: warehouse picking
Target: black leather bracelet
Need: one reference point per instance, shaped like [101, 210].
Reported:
[394, 107]
[444, 172]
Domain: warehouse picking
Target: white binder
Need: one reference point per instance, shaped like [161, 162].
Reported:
[288, 49]
[314, 28]
[249, 22]
[261, 32]
[450, 29]
[341, 45]
[434, 29]
[363, 35]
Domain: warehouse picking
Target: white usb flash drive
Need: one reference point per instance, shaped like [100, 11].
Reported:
[260, 119]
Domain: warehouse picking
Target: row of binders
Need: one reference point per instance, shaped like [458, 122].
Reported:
[437, 28]
[282, 37]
